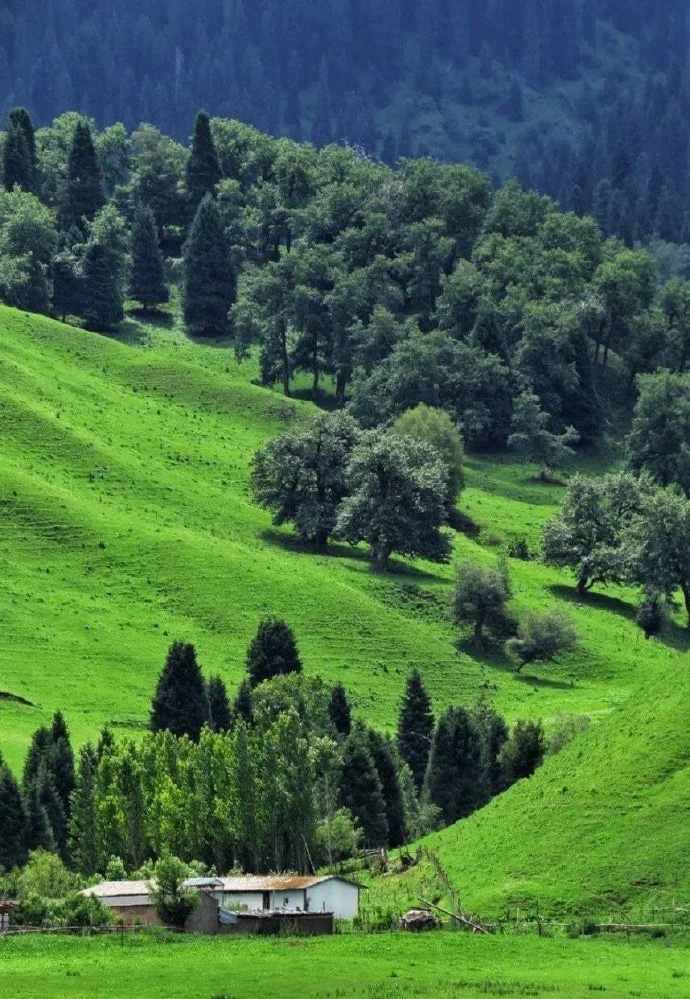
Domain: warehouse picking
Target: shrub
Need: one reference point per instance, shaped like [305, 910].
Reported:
[173, 902]
[480, 598]
[566, 729]
[541, 637]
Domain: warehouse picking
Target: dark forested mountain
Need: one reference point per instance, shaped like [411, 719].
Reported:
[583, 99]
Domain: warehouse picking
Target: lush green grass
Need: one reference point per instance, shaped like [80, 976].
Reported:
[126, 522]
[443, 965]
[602, 828]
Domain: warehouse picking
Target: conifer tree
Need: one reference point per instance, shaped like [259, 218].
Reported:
[82, 821]
[203, 169]
[22, 118]
[415, 727]
[147, 284]
[360, 789]
[38, 753]
[209, 288]
[383, 753]
[219, 712]
[62, 761]
[180, 704]
[13, 831]
[272, 652]
[339, 710]
[102, 306]
[242, 708]
[454, 777]
[16, 160]
[39, 834]
[84, 190]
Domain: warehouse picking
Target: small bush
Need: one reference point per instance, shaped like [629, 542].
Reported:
[566, 729]
[519, 549]
[541, 637]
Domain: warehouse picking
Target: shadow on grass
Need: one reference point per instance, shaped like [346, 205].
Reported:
[324, 400]
[348, 553]
[130, 333]
[540, 681]
[153, 317]
[599, 600]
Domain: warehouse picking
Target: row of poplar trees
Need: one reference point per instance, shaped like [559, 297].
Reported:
[281, 779]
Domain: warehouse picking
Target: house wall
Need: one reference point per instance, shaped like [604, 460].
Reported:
[145, 914]
[204, 919]
[336, 896]
[291, 899]
[233, 899]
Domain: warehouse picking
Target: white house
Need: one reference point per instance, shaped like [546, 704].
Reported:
[328, 893]
[273, 892]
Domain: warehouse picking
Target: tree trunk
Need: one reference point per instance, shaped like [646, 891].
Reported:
[321, 542]
[340, 386]
[285, 360]
[381, 555]
[581, 587]
[478, 635]
[685, 587]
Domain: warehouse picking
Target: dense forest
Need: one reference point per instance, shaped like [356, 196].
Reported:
[583, 99]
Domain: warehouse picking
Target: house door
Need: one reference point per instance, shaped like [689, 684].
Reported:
[266, 900]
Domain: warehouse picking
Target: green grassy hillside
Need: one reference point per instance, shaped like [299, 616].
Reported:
[126, 522]
[602, 828]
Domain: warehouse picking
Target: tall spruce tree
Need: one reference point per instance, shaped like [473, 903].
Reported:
[210, 286]
[39, 834]
[203, 168]
[360, 789]
[180, 704]
[101, 306]
[147, 283]
[16, 160]
[454, 776]
[220, 716]
[415, 727]
[67, 285]
[339, 710]
[272, 652]
[22, 118]
[84, 189]
[383, 755]
[62, 761]
[13, 830]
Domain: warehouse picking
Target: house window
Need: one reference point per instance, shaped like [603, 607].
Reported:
[267, 900]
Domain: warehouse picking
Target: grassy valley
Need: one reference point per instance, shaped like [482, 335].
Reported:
[127, 522]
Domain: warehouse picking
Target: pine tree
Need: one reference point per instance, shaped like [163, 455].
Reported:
[84, 190]
[415, 728]
[339, 710]
[180, 704]
[242, 708]
[62, 761]
[147, 284]
[203, 169]
[102, 306]
[16, 160]
[272, 652]
[82, 821]
[38, 753]
[21, 118]
[219, 712]
[454, 777]
[13, 831]
[209, 278]
[383, 755]
[39, 834]
[360, 789]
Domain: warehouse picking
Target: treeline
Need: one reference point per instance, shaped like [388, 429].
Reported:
[332, 72]
[416, 286]
[281, 779]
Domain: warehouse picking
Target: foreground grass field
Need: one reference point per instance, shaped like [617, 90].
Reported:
[385, 967]
[126, 522]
